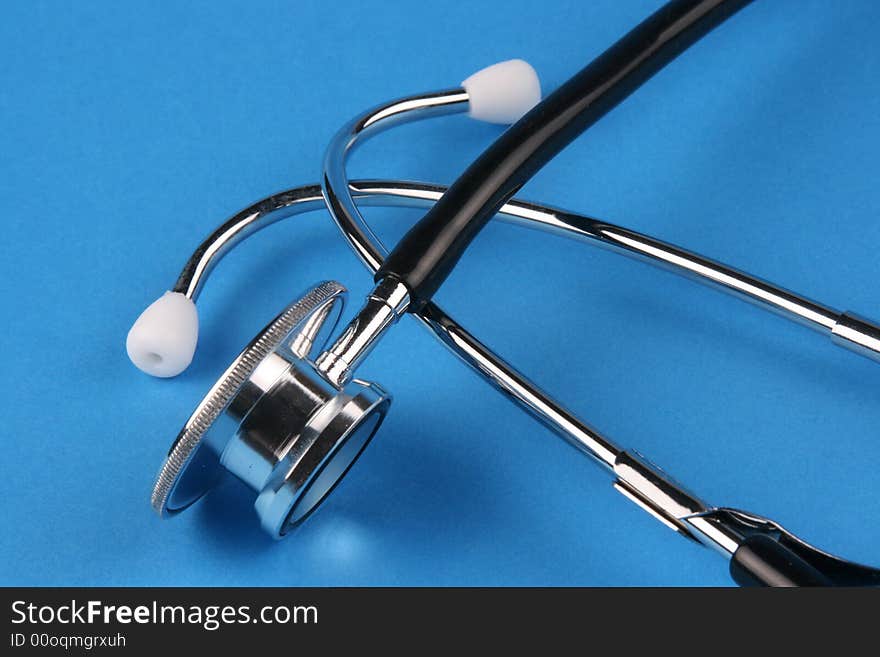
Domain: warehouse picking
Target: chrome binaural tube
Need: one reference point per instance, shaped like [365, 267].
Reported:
[340, 203]
[238, 228]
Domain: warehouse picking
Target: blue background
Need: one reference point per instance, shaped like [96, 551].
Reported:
[130, 130]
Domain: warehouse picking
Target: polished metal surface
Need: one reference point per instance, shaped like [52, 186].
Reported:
[238, 228]
[170, 494]
[299, 440]
[384, 306]
[518, 388]
[657, 493]
[274, 423]
[334, 182]
[857, 334]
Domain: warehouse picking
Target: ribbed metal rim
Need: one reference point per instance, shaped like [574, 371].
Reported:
[222, 393]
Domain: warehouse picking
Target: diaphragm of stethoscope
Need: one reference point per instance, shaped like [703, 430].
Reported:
[274, 423]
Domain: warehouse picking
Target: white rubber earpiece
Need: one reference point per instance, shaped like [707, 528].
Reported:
[503, 92]
[163, 339]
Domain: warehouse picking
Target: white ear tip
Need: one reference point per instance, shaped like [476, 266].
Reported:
[163, 339]
[503, 92]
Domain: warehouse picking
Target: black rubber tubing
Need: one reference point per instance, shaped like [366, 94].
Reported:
[428, 253]
[762, 561]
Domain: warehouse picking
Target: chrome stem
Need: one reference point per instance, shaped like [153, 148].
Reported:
[385, 305]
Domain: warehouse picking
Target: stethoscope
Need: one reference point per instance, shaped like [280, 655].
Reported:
[289, 418]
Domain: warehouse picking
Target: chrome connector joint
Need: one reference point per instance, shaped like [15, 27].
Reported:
[654, 491]
[857, 334]
[384, 306]
[660, 495]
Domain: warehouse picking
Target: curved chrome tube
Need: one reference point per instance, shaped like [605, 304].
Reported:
[335, 182]
[238, 228]
[309, 197]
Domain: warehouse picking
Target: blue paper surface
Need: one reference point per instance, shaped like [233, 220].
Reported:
[130, 130]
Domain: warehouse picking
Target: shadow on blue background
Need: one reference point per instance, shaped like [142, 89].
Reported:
[129, 132]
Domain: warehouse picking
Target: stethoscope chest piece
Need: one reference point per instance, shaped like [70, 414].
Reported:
[276, 424]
